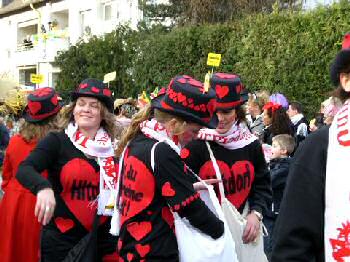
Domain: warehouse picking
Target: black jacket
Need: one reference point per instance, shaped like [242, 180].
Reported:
[300, 225]
[279, 168]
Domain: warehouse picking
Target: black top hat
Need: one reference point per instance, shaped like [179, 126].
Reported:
[341, 63]
[94, 88]
[185, 97]
[228, 89]
[42, 103]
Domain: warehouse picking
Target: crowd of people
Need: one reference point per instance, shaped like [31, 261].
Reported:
[104, 180]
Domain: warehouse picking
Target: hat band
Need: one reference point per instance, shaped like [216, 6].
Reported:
[229, 104]
[43, 116]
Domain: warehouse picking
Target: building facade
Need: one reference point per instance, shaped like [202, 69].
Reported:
[33, 34]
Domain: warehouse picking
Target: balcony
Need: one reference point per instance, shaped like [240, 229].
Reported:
[41, 47]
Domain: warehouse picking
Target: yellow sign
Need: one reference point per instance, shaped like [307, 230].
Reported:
[109, 77]
[36, 79]
[214, 59]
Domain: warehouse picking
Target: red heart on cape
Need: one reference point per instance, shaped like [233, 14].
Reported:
[167, 190]
[221, 91]
[184, 153]
[64, 224]
[143, 250]
[120, 244]
[34, 107]
[168, 216]
[237, 180]
[80, 183]
[138, 188]
[139, 230]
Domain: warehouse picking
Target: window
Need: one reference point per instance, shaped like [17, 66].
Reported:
[107, 12]
[24, 76]
[86, 22]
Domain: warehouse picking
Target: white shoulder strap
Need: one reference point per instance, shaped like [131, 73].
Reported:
[217, 169]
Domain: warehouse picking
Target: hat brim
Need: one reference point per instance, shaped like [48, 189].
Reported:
[340, 63]
[156, 103]
[27, 117]
[108, 102]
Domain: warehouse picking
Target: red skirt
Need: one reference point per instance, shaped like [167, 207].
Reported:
[20, 229]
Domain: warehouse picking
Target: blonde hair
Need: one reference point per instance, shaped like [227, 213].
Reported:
[286, 142]
[143, 115]
[35, 131]
[108, 121]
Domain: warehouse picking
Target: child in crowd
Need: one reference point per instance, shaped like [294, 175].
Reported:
[282, 147]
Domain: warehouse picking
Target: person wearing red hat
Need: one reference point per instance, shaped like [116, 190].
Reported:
[147, 197]
[73, 202]
[19, 227]
[314, 218]
[238, 152]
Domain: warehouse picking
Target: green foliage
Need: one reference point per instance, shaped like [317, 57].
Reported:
[288, 52]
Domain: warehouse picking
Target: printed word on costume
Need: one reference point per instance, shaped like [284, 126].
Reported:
[101, 149]
[337, 211]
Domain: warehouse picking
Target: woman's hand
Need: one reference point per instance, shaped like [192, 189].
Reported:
[252, 228]
[45, 205]
[199, 185]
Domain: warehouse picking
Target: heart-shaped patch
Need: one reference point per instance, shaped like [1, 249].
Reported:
[221, 91]
[168, 216]
[181, 97]
[225, 75]
[34, 107]
[80, 183]
[143, 250]
[138, 188]
[107, 92]
[184, 153]
[167, 190]
[54, 100]
[64, 224]
[130, 256]
[237, 180]
[139, 230]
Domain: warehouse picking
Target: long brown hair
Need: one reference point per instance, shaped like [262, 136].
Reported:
[32, 132]
[108, 121]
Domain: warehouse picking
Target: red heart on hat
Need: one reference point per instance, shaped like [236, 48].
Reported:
[95, 89]
[184, 153]
[239, 88]
[182, 80]
[64, 224]
[225, 76]
[139, 230]
[82, 86]
[168, 216]
[167, 190]
[130, 256]
[221, 91]
[54, 100]
[34, 107]
[181, 97]
[143, 250]
[107, 92]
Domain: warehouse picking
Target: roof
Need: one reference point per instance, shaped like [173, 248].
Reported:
[17, 6]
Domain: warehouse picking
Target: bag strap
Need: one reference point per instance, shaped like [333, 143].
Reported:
[217, 170]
